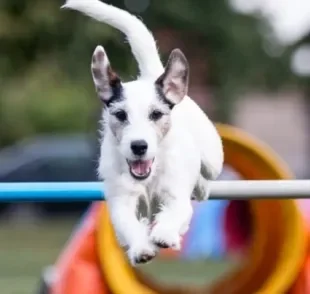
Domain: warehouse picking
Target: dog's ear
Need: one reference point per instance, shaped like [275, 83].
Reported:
[107, 82]
[174, 81]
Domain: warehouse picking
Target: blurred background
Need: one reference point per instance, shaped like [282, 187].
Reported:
[250, 67]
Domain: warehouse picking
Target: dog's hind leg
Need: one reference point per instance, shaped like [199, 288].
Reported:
[202, 188]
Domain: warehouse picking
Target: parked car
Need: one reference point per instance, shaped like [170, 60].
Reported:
[51, 158]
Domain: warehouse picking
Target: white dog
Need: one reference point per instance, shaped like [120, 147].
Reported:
[156, 143]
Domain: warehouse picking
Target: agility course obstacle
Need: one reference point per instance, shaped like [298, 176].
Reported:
[277, 259]
[94, 191]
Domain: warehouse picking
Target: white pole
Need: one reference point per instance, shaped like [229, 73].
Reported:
[260, 189]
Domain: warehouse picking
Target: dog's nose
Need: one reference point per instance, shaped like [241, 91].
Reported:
[139, 147]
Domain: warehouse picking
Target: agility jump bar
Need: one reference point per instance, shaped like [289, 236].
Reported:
[94, 191]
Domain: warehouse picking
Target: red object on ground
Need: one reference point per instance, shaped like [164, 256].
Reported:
[237, 225]
[78, 267]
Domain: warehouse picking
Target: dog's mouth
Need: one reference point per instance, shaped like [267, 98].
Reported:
[140, 169]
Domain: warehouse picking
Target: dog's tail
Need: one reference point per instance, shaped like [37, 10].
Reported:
[140, 39]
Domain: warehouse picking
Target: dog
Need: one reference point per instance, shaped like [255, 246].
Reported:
[156, 141]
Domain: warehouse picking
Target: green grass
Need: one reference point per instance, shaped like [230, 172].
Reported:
[26, 249]
[184, 272]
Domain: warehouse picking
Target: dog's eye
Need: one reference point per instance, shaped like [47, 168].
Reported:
[121, 115]
[156, 115]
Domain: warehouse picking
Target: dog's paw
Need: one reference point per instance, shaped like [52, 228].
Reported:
[141, 253]
[163, 237]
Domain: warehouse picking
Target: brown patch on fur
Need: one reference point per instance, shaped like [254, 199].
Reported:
[113, 77]
[162, 126]
[115, 125]
[165, 127]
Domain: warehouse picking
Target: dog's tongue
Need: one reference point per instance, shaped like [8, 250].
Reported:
[141, 167]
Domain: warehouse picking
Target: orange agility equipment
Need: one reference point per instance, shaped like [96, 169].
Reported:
[78, 270]
[277, 259]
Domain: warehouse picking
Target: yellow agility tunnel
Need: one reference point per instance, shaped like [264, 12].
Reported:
[276, 260]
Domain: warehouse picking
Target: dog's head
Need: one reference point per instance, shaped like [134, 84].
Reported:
[138, 113]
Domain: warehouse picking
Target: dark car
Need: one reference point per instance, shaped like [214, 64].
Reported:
[51, 158]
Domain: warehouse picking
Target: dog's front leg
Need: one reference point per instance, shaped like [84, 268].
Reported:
[172, 221]
[130, 231]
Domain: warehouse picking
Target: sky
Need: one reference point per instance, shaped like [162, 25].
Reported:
[289, 18]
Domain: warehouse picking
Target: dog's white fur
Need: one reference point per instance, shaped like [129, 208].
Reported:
[186, 155]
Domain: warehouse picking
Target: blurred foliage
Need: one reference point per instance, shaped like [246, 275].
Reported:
[45, 59]
[239, 56]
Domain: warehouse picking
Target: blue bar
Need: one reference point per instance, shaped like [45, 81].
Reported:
[51, 192]
[94, 191]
